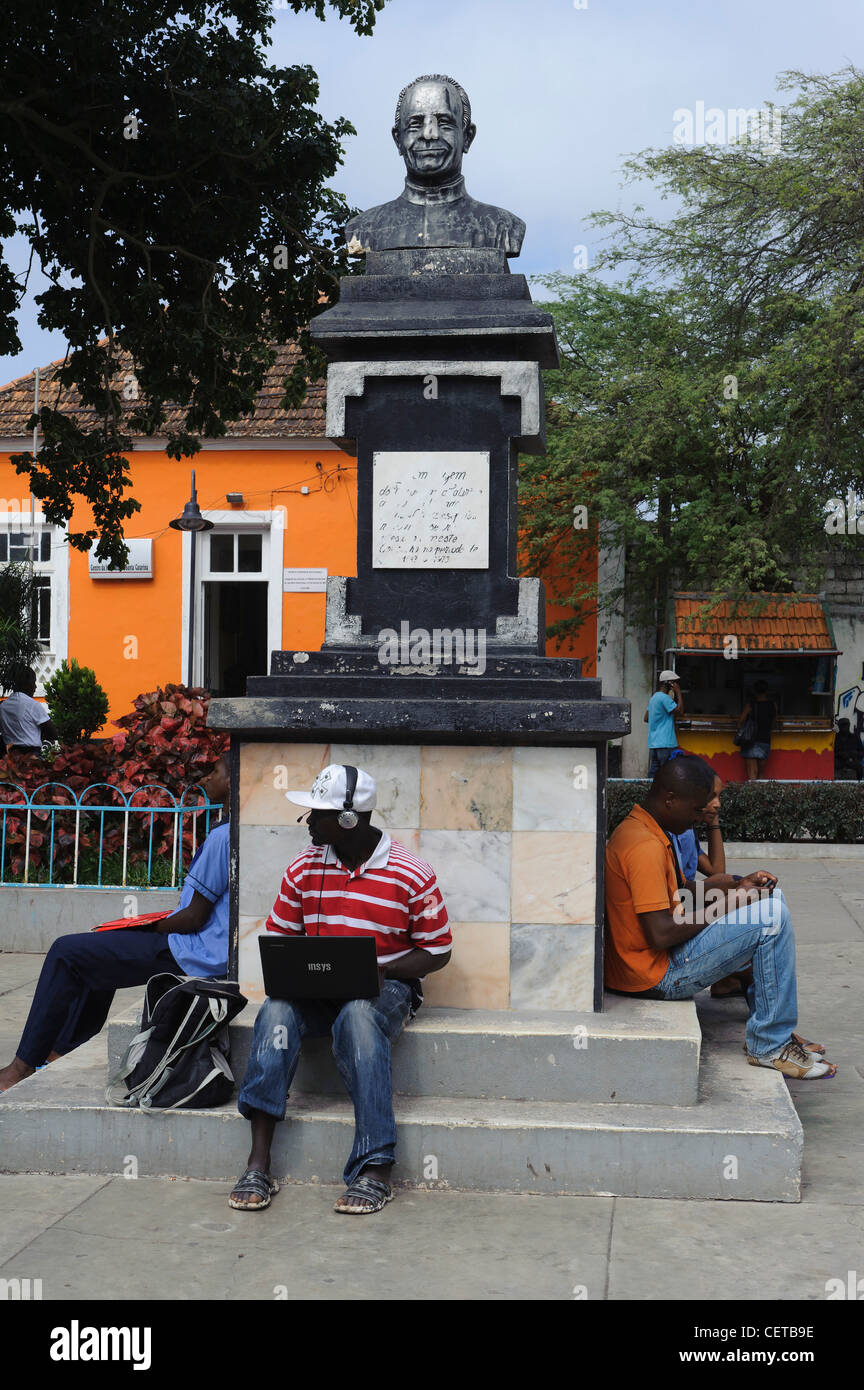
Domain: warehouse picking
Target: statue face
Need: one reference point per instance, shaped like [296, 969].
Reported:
[430, 136]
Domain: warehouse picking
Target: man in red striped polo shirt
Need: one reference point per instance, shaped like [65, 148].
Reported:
[352, 881]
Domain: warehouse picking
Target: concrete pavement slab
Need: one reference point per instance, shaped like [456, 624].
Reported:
[18, 970]
[801, 850]
[830, 985]
[833, 1167]
[181, 1240]
[813, 890]
[855, 908]
[819, 918]
[30, 1205]
[830, 988]
[718, 1252]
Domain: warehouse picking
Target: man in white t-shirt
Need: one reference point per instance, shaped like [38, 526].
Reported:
[24, 723]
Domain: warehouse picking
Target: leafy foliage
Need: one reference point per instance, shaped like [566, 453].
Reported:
[165, 740]
[832, 812]
[708, 408]
[18, 645]
[172, 185]
[77, 703]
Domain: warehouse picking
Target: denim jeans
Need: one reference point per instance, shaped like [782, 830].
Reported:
[362, 1032]
[657, 757]
[761, 933]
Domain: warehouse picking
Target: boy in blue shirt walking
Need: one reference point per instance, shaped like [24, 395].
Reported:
[82, 971]
[664, 704]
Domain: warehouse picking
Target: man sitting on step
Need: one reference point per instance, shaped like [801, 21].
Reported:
[353, 881]
[691, 860]
[655, 949]
[81, 972]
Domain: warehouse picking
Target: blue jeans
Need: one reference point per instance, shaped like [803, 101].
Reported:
[657, 757]
[761, 933]
[362, 1032]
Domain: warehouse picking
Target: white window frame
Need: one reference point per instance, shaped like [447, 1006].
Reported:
[57, 569]
[272, 526]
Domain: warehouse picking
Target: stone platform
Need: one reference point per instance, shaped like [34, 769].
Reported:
[741, 1139]
[640, 1051]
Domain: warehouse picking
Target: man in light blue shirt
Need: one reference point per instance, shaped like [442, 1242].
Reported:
[664, 704]
[82, 971]
[205, 952]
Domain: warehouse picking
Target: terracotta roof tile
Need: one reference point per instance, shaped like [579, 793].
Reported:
[269, 421]
[767, 622]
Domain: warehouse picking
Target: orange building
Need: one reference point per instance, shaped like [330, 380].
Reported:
[282, 500]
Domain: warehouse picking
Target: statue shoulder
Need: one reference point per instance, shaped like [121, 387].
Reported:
[506, 231]
[364, 227]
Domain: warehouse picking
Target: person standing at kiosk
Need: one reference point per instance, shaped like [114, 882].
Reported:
[761, 713]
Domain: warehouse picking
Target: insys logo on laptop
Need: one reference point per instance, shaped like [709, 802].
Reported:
[330, 967]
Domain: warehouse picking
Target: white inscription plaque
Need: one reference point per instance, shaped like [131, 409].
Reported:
[430, 511]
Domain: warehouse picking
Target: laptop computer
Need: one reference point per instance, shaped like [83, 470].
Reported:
[319, 967]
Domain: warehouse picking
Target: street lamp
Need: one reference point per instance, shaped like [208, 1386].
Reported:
[193, 522]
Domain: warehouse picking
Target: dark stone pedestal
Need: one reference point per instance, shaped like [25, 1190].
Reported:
[436, 356]
[490, 758]
[530, 700]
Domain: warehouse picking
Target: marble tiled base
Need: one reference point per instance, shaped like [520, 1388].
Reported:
[551, 967]
[510, 833]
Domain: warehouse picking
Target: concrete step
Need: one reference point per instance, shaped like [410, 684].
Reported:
[742, 1140]
[641, 1051]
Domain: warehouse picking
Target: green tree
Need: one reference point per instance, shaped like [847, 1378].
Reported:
[76, 701]
[710, 406]
[18, 645]
[173, 188]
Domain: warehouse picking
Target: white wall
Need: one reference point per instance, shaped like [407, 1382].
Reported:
[849, 634]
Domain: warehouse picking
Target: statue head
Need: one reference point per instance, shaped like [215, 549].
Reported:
[432, 127]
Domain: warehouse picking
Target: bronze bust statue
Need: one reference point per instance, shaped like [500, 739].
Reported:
[432, 131]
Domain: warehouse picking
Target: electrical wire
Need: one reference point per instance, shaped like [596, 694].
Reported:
[320, 478]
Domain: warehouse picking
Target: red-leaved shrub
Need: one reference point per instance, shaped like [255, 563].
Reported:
[164, 741]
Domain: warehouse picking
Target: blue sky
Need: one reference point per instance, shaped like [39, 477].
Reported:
[560, 97]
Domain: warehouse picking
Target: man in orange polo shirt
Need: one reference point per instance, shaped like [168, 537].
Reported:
[657, 949]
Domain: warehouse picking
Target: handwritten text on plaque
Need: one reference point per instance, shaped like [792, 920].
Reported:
[430, 510]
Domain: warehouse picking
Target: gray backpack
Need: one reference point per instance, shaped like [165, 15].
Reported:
[181, 1059]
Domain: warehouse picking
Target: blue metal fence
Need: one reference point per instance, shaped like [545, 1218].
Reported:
[47, 818]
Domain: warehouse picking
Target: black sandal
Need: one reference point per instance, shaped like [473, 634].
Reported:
[254, 1183]
[372, 1190]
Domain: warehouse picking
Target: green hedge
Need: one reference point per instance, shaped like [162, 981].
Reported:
[829, 811]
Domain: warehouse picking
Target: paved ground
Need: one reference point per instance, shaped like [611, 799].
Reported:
[90, 1237]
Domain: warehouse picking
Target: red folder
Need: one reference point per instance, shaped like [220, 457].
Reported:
[121, 923]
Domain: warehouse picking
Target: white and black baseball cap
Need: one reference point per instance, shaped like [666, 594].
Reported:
[329, 791]
[668, 676]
